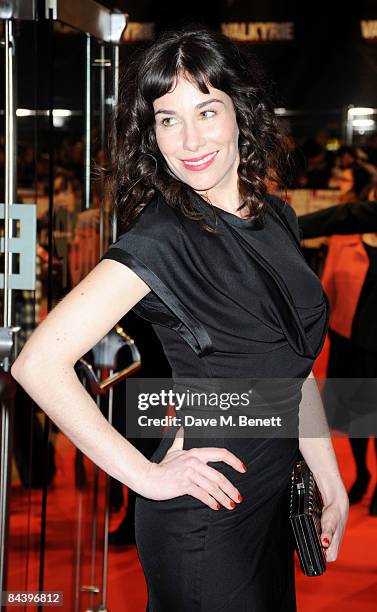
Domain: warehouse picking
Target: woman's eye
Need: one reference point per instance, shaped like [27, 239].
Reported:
[208, 111]
[170, 121]
[167, 119]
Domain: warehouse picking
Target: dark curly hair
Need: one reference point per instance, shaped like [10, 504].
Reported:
[138, 170]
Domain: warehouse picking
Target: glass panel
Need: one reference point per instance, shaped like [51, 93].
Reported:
[2, 112]
[27, 456]
[57, 500]
[76, 502]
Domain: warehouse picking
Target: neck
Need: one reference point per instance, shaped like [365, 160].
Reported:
[228, 200]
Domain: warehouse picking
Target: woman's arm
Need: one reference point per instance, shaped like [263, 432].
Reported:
[45, 368]
[317, 449]
[340, 219]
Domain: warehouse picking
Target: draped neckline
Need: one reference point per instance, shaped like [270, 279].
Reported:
[254, 223]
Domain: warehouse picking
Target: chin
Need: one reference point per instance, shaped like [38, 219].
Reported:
[204, 189]
[201, 190]
[200, 185]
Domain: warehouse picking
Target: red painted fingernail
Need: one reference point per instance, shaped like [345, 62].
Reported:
[240, 498]
[244, 467]
[232, 504]
[326, 541]
[218, 507]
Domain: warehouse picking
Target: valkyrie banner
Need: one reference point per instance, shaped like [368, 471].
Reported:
[320, 54]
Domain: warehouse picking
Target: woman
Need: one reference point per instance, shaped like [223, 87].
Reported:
[214, 264]
[350, 281]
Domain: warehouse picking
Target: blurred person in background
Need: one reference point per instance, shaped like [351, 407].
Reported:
[353, 181]
[318, 166]
[26, 168]
[350, 174]
[350, 281]
[67, 204]
[70, 156]
[42, 174]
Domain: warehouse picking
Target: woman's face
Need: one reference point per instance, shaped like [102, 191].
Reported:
[197, 134]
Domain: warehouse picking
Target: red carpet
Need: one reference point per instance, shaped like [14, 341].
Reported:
[350, 584]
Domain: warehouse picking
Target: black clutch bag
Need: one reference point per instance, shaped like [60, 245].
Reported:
[305, 515]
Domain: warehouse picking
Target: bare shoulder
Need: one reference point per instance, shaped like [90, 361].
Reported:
[86, 313]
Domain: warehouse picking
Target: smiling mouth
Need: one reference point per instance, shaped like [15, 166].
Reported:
[200, 162]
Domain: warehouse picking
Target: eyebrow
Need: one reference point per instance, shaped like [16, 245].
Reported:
[200, 105]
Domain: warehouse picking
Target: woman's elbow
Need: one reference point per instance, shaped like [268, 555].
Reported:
[28, 366]
[23, 367]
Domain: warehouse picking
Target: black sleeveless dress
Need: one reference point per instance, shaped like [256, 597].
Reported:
[236, 304]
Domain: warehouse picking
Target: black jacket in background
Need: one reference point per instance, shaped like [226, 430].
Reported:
[357, 218]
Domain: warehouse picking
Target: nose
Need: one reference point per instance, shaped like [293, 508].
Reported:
[193, 137]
